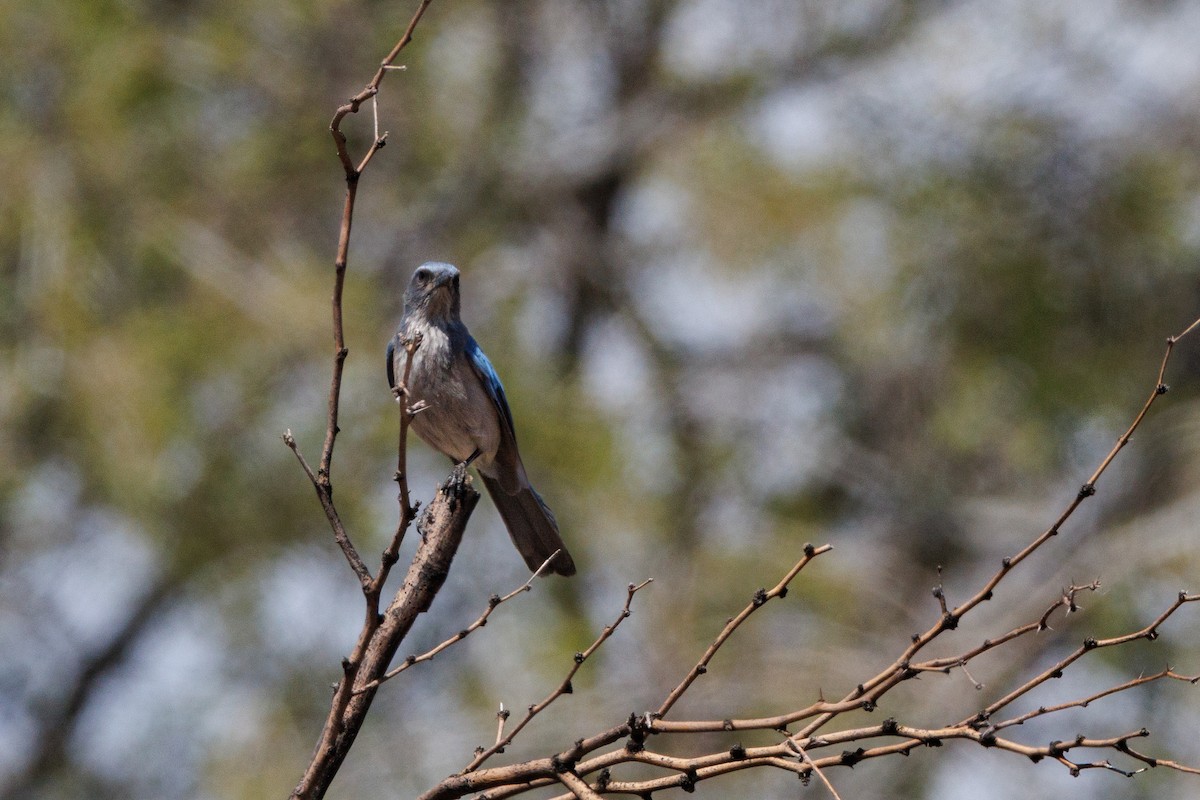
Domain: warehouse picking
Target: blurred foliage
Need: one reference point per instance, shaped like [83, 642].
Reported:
[889, 274]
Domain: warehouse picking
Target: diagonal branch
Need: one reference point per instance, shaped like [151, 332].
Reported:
[442, 524]
[563, 688]
[949, 620]
[1150, 633]
[325, 495]
[760, 599]
[494, 602]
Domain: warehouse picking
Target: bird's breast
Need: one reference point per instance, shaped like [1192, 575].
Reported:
[458, 415]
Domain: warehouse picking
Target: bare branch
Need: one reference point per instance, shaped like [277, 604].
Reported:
[335, 521]
[760, 599]
[442, 524]
[564, 687]
[408, 510]
[494, 602]
[950, 620]
[578, 786]
[1150, 633]
[804, 758]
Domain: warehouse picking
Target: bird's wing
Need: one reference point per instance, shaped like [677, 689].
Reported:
[391, 363]
[491, 382]
[506, 468]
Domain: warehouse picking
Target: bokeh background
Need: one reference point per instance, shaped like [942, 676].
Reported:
[887, 274]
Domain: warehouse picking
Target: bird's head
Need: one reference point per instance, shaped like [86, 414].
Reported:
[433, 292]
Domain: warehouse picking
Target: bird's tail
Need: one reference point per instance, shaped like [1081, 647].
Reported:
[532, 526]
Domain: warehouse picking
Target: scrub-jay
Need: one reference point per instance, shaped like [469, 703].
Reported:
[466, 415]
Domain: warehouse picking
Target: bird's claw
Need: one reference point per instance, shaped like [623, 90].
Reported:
[459, 479]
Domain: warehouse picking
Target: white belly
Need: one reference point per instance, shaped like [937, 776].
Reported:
[460, 417]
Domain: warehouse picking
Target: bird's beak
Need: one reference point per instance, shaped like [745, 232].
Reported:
[443, 280]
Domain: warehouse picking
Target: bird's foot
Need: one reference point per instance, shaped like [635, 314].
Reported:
[459, 479]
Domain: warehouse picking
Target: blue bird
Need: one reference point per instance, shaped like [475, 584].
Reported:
[466, 414]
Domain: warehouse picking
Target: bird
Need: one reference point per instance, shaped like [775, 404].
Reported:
[464, 412]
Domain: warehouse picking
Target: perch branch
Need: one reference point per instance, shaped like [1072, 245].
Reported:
[442, 526]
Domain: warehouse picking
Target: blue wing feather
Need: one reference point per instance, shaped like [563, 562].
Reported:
[491, 381]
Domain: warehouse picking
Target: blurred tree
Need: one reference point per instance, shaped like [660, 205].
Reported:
[881, 273]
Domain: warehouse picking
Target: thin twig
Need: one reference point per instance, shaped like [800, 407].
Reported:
[565, 686]
[1150, 632]
[340, 534]
[1086, 701]
[408, 509]
[887, 678]
[819, 772]
[760, 598]
[501, 717]
[578, 786]
[494, 602]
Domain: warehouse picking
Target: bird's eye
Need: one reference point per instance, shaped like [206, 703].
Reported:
[423, 275]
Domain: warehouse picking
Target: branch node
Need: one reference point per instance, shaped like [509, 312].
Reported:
[852, 757]
[1087, 490]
